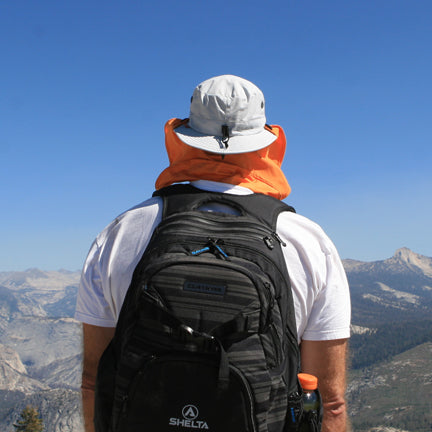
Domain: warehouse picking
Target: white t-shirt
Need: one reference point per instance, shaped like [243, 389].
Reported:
[318, 280]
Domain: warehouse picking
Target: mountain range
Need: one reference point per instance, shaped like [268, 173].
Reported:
[40, 349]
[391, 345]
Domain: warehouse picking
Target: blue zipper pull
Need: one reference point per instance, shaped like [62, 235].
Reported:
[217, 249]
[200, 251]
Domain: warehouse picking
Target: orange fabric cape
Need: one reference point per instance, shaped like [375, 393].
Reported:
[260, 171]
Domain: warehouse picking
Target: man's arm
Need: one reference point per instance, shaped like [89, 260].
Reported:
[327, 361]
[96, 339]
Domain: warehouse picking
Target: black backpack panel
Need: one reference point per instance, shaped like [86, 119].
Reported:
[206, 337]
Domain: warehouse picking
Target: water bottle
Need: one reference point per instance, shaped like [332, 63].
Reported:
[311, 418]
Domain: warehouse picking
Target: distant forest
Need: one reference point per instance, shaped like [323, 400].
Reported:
[389, 340]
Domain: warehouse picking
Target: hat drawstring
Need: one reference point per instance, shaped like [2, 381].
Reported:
[225, 135]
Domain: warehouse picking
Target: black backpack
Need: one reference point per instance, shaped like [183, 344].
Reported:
[206, 337]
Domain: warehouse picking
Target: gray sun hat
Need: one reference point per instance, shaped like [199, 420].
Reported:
[227, 116]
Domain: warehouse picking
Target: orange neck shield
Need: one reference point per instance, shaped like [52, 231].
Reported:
[259, 171]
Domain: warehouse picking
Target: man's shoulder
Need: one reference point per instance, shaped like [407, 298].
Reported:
[137, 217]
[300, 220]
[143, 206]
[299, 229]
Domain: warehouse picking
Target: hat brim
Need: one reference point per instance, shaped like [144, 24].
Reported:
[236, 144]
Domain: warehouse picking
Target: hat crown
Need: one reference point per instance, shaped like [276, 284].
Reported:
[227, 116]
[230, 101]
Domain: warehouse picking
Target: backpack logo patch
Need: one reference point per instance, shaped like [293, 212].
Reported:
[204, 287]
[190, 414]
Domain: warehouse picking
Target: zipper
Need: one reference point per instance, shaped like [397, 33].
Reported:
[278, 238]
[193, 220]
[268, 234]
[271, 303]
[276, 344]
[154, 296]
[270, 325]
[214, 247]
[131, 390]
[124, 403]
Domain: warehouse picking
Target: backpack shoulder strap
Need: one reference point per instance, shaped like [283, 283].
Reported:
[185, 197]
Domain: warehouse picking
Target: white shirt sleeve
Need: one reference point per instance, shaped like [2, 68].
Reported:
[331, 311]
[92, 307]
[319, 284]
[111, 261]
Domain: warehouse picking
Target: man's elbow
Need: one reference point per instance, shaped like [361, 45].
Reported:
[88, 382]
[336, 407]
[335, 415]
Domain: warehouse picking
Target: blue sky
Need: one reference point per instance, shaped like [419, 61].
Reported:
[86, 87]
